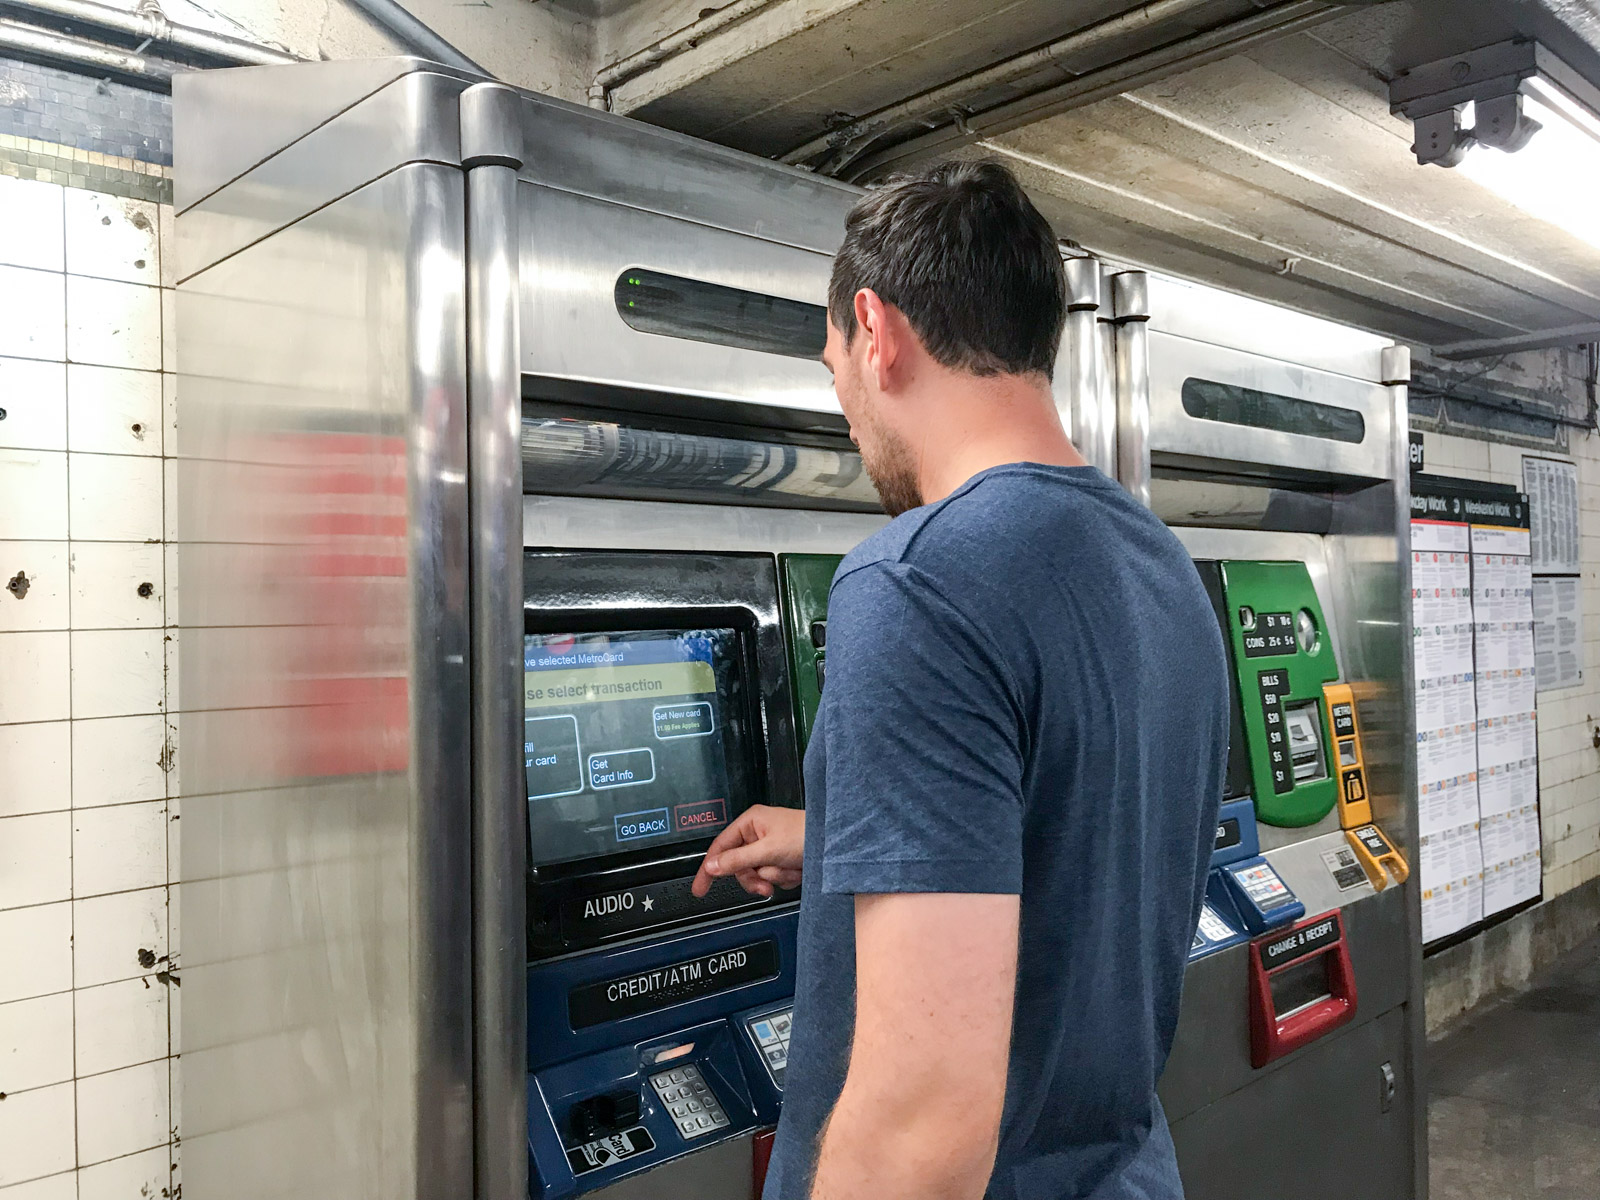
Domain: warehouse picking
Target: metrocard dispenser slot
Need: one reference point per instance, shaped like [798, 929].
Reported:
[1377, 854]
[1301, 987]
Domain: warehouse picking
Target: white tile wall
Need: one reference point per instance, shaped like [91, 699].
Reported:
[116, 585]
[33, 314]
[40, 938]
[37, 677]
[34, 397]
[38, 600]
[31, 234]
[121, 1025]
[38, 765]
[117, 672]
[37, 1137]
[137, 1177]
[117, 760]
[35, 859]
[87, 829]
[123, 1112]
[113, 410]
[53, 1187]
[111, 238]
[35, 1042]
[115, 498]
[33, 493]
[120, 936]
[113, 324]
[118, 849]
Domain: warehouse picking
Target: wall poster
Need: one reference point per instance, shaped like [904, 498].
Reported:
[1551, 485]
[1477, 743]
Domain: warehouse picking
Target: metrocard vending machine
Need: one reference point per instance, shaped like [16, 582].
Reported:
[510, 490]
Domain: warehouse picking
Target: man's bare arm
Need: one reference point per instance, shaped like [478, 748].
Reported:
[919, 1115]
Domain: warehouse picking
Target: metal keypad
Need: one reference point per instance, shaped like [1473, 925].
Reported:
[689, 1100]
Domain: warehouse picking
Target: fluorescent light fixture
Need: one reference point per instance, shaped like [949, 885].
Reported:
[1516, 120]
[1556, 176]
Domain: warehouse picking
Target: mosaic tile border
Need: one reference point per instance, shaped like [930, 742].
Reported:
[50, 162]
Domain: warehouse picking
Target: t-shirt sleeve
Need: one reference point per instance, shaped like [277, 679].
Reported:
[923, 735]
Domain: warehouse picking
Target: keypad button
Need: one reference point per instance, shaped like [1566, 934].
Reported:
[680, 1110]
[676, 1076]
[703, 1122]
[687, 1125]
[694, 1106]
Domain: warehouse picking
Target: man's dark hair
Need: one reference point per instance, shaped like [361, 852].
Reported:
[963, 253]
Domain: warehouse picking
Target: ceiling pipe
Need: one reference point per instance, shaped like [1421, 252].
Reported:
[391, 17]
[849, 143]
[60, 49]
[148, 26]
[941, 99]
[637, 63]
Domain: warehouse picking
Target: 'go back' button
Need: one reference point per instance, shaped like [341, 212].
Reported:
[651, 823]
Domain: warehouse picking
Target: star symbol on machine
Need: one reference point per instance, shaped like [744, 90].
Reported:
[648, 904]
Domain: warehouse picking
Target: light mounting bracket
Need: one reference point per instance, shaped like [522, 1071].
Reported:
[1494, 79]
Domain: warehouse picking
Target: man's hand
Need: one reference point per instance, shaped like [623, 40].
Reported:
[919, 1116]
[762, 849]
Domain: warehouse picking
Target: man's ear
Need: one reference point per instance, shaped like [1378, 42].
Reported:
[883, 336]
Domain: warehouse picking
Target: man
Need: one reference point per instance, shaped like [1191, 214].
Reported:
[1012, 788]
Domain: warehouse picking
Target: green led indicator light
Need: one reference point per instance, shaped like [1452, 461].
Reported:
[630, 303]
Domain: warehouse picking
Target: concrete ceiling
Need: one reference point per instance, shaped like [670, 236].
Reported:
[1273, 166]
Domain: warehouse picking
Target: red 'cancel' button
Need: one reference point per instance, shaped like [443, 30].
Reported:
[702, 814]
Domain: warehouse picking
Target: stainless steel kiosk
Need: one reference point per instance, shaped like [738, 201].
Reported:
[507, 481]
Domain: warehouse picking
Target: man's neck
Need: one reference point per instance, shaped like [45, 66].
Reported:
[990, 421]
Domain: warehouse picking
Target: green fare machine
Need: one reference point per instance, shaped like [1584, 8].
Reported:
[1300, 722]
[805, 579]
[1283, 659]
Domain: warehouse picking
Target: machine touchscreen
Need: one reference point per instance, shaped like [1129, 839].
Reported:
[629, 739]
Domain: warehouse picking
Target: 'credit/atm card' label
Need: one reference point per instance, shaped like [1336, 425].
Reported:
[674, 983]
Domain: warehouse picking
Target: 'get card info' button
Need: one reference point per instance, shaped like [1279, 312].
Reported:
[621, 768]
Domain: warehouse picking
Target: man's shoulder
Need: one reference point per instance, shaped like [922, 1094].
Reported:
[991, 521]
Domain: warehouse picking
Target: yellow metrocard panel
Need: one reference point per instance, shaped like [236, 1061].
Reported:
[1344, 736]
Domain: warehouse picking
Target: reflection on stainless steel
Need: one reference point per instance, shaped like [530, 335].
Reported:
[323, 740]
[563, 456]
[1080, 355]
[491, 151]
[1131, 302]
[574, 247]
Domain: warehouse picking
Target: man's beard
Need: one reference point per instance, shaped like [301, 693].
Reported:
[894, 474]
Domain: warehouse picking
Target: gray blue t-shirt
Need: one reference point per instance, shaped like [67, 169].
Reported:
[1026, 694]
